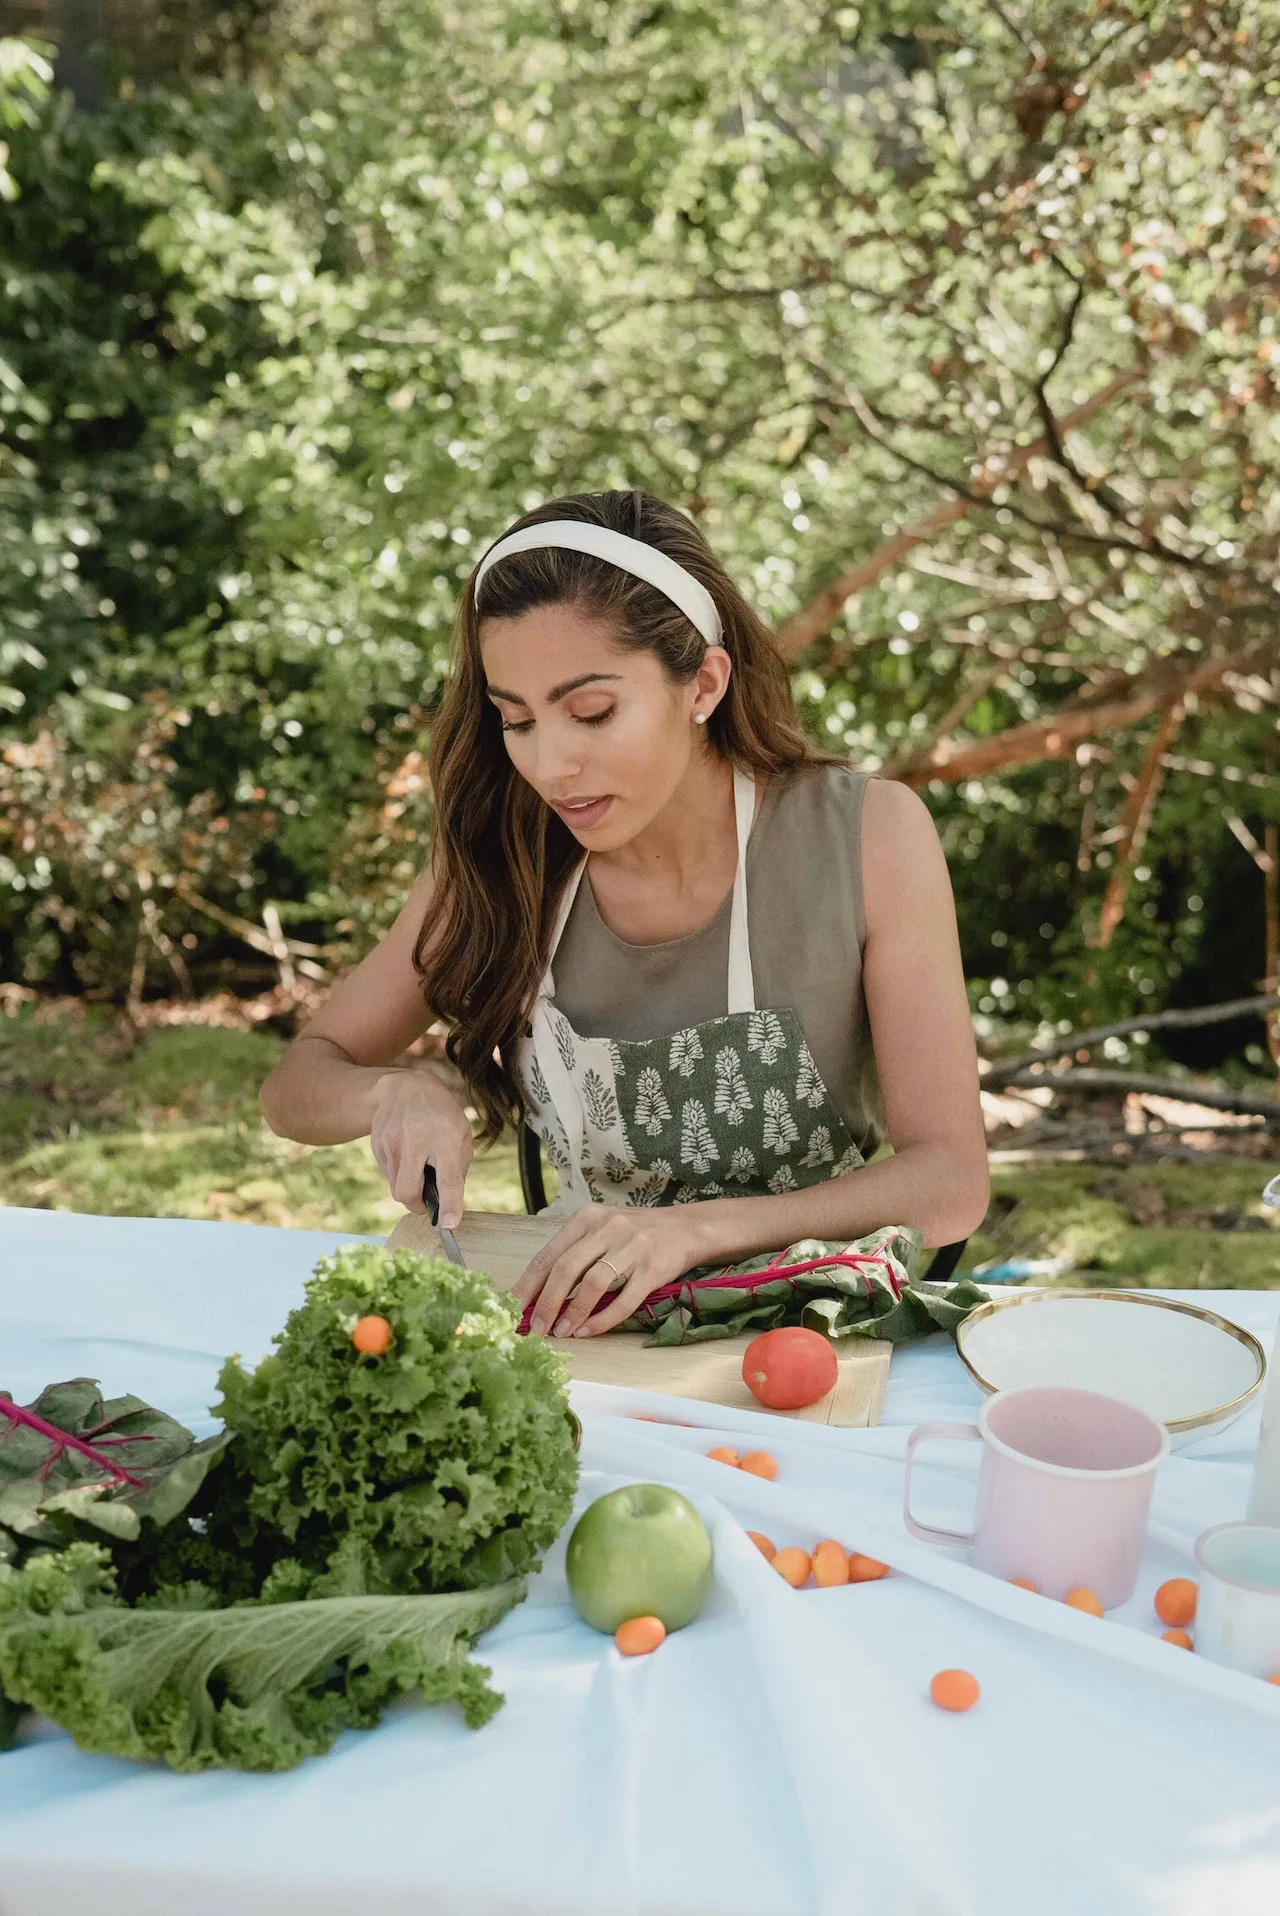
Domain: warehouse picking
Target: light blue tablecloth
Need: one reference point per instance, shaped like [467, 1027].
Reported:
[780, 1758]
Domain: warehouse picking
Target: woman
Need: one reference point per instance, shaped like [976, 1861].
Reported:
[756, 967]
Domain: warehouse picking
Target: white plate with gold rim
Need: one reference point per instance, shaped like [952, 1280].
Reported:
[1189, 1367]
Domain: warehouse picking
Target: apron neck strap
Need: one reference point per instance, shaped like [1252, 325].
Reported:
[741, 990]
[548, 986]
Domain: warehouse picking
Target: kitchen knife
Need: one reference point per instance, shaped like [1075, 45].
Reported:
[431, 1198]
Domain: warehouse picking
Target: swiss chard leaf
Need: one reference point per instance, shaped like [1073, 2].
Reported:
[760, 1293]
[74, 1458]
[863, 1289]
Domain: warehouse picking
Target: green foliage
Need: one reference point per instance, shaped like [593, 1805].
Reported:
[364, 1519]
[251, 1688]
[285, 355]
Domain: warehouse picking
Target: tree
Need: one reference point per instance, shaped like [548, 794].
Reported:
[954, 325]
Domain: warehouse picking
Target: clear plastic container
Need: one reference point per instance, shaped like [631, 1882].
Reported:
[1264, 1495]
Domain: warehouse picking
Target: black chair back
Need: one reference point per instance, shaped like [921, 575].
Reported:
[529, 1158]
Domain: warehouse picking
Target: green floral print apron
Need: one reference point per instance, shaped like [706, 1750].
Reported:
[734, 1106]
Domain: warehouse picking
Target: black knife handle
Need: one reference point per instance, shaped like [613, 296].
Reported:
[431, 1192]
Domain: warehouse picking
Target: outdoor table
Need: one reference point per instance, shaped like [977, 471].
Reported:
[780, 1757]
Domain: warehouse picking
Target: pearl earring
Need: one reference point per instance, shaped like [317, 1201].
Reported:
[699, 718]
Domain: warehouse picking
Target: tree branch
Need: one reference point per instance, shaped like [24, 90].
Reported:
[1241, 831]
[1110, 501]
[1271, 907]
[1135, 822]
[1151, 547]
[1075, 1041]
[251, 934]
[1024, 39]
[795, 633]
[972, 695]
[1057, 734]
[1203, 768]
[1089, 1078]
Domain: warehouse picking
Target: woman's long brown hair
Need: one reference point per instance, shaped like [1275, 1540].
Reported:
[502, 856]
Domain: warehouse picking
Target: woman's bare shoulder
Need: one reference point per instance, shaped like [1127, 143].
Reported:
[896, 813]
[902, 857]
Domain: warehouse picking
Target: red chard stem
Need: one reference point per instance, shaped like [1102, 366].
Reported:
[63, 1440]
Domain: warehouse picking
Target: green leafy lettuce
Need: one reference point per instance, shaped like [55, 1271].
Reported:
[367, 1517]
[252, 1687]
[444, 1464]
[72, 1463]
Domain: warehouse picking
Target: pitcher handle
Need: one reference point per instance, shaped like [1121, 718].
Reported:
[927, 1532]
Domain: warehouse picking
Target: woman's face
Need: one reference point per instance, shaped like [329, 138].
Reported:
[599, 731]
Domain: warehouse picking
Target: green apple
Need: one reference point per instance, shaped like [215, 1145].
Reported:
[642, 1551]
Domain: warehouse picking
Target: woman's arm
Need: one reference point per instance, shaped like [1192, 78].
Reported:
[926, 1059]
[345, 1075]
[927, 1064]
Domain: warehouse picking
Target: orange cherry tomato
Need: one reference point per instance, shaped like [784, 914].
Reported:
[1084, 1600]
[1025, 1583]
[1176, 1601]
[639, 1636]
[372, 1336]
[1180, 1637]
[768, 1550]
[723, 1455]
[760, 1464]
[866, 1569]
[793, 1565]
[830, 1564]
[954, 1690]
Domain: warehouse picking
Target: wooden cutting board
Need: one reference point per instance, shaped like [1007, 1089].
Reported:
[502, 1245]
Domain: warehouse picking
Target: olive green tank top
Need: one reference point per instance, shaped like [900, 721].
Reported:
[807, 929]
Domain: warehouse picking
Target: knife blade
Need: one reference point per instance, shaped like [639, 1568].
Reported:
[431, 1198]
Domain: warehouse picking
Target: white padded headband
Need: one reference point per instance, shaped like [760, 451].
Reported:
[629, 555]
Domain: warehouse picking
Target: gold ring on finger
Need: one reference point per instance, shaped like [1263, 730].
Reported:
[613, 1267]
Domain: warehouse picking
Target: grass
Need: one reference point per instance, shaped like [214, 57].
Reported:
[97, 1118]
[166, 1123]
[1189, 1226]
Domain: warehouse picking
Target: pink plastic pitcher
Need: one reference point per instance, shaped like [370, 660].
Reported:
[1064, 1488]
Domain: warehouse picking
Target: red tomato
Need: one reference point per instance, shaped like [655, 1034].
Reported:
[787, 1369]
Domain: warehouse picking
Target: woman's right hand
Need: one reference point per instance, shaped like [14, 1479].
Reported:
[417, 1121]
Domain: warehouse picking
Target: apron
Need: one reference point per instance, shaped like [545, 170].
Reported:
[732, 1107]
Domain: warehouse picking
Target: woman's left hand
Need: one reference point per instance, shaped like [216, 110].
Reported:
[602, 1248]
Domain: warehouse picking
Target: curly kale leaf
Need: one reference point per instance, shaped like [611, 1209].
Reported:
[253, 1687]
